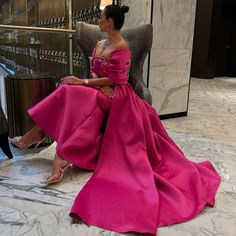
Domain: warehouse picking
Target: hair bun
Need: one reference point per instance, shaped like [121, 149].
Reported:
[124, 9]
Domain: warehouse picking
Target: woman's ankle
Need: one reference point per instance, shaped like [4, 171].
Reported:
[37, 131]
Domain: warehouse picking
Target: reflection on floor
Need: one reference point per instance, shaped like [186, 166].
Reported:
[208, 132]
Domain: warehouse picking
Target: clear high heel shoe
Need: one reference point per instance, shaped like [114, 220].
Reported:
[16, 142]
[47, 181]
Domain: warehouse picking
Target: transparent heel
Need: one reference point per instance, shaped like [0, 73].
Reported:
[52, 180]
[71, 172]
[37, 144]
[16, 141]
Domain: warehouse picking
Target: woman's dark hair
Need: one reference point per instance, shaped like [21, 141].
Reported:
[117, 14]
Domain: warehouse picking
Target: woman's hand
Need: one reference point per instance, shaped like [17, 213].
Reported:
[108, 91]
[72, 80]
[93, 75]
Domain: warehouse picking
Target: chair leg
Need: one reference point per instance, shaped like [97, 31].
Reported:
[4, 144]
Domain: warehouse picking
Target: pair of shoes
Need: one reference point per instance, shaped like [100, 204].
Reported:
[47, 181]
[4, 145]
[17, 142]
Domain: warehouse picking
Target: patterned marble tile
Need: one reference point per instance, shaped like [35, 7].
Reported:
[212, 110]
[169, 84]
[27, 207]
[174, 24]
[139, 14]
[170, 63]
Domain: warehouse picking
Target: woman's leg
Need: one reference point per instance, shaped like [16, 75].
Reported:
[58, 168]
[34, 136]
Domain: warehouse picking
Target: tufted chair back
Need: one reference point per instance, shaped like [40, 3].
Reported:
[140, 42]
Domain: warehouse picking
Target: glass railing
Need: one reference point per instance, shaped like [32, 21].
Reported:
[38, 47]
[35, 52]
[39, 35]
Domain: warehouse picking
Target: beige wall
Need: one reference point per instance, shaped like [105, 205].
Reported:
[173, 24]
[139, 14]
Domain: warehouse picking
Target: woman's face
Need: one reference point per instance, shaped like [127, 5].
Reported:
[104, 24]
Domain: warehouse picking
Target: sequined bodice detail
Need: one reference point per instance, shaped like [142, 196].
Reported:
[99, 65]
[116, 69]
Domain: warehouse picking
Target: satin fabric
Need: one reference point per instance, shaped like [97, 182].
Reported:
[141, 179]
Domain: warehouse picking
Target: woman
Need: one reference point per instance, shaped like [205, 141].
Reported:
[142, 180]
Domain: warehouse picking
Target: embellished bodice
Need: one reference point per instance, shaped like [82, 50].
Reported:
[116, 69]
[98, 65]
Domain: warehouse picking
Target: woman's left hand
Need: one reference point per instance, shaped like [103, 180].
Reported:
[108, 91]
[72, 80]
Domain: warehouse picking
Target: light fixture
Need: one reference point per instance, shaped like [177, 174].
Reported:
[104, 3]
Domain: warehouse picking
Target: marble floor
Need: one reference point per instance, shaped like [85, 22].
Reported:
[208, 132]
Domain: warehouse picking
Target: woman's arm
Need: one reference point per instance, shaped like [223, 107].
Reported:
[104, 83]
[88, 82]
[97, 82]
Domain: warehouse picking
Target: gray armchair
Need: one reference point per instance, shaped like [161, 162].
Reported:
[140, 42]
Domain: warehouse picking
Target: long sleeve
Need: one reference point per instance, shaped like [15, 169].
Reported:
[118, 68]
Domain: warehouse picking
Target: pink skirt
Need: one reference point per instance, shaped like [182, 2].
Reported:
[142, 180]
[74, 117]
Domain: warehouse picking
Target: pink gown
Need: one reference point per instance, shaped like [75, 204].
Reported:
[141, 179]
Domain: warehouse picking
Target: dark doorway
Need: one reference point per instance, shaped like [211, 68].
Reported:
[214, 48]
[226, 53]
[229, 11]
